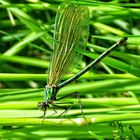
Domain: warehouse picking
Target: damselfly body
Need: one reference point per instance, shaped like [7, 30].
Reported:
[71, 33]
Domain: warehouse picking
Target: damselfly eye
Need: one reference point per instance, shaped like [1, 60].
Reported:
[41, 105]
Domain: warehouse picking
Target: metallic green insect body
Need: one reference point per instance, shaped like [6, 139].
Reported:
[71, 32]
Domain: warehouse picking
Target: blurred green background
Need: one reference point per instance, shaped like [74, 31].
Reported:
[109, 92]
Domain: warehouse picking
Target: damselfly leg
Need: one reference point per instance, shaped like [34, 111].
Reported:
[75, 94]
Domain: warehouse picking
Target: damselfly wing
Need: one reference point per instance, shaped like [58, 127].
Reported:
[70, 35]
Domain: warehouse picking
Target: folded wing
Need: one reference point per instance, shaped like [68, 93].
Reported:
[70, 35]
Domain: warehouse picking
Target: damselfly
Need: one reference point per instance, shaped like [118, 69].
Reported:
[70, 35]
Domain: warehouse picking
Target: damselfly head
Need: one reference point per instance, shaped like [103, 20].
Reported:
[43, 105]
